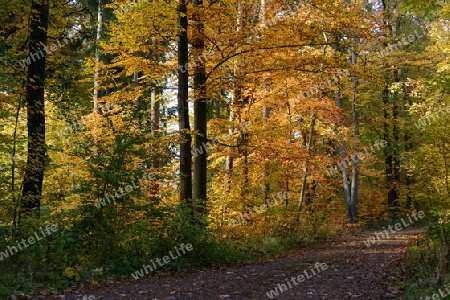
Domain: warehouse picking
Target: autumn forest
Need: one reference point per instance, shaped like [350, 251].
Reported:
[221, 132]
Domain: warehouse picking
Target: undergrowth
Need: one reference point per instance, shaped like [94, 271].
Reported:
[428, 262]
[92, 249]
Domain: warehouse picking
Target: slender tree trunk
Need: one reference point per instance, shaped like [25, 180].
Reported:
[409, 180]
[305, 176]
[408, 177]
[392, 160]
[183, 106]
[155, 116]
[97, 74]
[345, 176]
[229, 161]
[98, 94]
[235, 96]
[246, 182]
[286, 190]
[392, 196]
[35, 90]
[266, 113]
[352, 207]
[217, 109]
[391, 152]
[396, 136]
[310, 196]
[200, 113]
[229, 158]
[265, 184]
[287, 171]
[444, 154]
[13, 165]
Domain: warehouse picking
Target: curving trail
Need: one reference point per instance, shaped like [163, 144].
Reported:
[353, 271]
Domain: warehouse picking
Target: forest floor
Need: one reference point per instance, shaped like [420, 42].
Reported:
[341, 268]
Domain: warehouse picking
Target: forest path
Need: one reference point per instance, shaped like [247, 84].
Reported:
[344, 268]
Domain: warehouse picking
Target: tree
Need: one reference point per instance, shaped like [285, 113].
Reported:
[35, 98]
[183, 106]
[352, 206]
[200, 111]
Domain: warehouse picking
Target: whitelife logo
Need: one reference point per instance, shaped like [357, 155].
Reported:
[437, 296]
[405, 41]
[244, 126]
[49, 229]
[47, 50]
[128, 189]
[281, 287]
[259, 209]
[164, 261]
[12, 159]
[435, 116]
[356, 157]
[398, 226]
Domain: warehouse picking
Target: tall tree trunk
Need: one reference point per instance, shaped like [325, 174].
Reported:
[287, 171]
[266, 113]
[396, 142]
[391, 152]
[409, 146]
[392, 155]
[183, 106]
[97, 74]
[200, 113]
[352, 207]
[99, 190]
[306, 170]
[246, 181]
[345, 176]
[155, 116]
[444, 152]
[231, 118]
[235, 96]
[36, 156]
[408, 178]
[13, 166]
[229, 158]
[266, 183]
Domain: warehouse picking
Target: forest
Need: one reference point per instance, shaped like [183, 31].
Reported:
[149, 138]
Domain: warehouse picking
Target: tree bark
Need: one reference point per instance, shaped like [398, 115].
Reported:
[352, 206]
[98, 94]
[266, 113]
[345, 176]
[391, 152]
[200, 114]
[396, 144]
[35, 90]
[155, 116]
[265, 183]
[183, 107]
[305, 176]
[217, 109]
[13, 166]
[97, 74]
[235, 96]
[392, 196]
[444, 153]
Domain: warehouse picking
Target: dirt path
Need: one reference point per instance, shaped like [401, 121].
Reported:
[347, 269]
